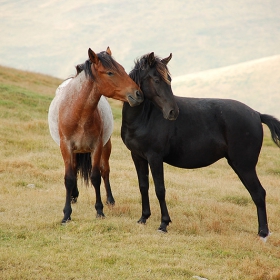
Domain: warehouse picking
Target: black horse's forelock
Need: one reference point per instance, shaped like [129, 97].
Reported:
[106, 60]
[141, 64]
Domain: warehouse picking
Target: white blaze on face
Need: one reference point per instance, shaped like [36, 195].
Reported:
[103, 107]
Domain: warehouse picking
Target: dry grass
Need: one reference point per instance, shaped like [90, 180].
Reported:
[214, 227]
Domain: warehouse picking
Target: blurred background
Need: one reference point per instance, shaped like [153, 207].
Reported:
[227, 49]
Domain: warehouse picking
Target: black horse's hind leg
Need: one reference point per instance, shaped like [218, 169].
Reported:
[95, 178]
[250, 180]
[156, 165]
[70, 181]
[142, 170]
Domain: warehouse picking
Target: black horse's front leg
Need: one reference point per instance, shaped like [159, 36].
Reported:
[142, 170]
[156, 165]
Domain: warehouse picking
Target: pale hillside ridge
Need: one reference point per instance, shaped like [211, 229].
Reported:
[255, 83]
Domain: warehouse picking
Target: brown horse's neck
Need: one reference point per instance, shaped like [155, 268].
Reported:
[89, 93]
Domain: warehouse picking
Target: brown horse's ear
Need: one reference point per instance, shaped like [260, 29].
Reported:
[108, 51]
[167, 59]
[151, 59]
[92, 56]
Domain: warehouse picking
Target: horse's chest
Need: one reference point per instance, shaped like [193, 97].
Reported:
[139, 139]
[81, 130]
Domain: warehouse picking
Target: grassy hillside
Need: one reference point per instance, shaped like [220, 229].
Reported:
[256, 83]
[213, 234]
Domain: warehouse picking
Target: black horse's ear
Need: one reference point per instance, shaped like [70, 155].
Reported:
[151, 59]
[167, 59]
[108, 51]
[92, 56]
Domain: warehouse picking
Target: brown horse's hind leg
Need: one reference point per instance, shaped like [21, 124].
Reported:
[75, 194]
[105, 172]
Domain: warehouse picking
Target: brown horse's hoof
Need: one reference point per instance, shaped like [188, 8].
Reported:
[162, 230]
[64, 222]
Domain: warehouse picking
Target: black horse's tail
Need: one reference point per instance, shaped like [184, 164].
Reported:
[84, 166]
[274, 126]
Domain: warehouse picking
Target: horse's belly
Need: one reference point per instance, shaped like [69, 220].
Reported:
[195, 157]
[103, 108]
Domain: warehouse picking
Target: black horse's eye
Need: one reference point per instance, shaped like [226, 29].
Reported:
[110, 73]
[157, 81]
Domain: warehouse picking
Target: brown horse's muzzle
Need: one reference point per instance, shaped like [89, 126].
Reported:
[136, 98]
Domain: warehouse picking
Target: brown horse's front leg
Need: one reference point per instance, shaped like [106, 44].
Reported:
[105, 172]
[70, 179]
[95, 178]
[156, 165]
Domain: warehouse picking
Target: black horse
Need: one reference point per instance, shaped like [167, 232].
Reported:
[204, 131]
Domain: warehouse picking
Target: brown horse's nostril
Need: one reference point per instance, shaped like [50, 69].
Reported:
[138, 94]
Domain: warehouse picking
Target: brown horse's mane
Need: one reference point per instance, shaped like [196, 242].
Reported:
[142, 64]
[106, 60]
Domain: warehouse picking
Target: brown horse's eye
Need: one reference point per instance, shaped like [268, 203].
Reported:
[110, 73]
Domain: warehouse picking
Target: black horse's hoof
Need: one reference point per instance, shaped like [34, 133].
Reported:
[110, 202]
[74, 200]
[142, 221]
[100, 216]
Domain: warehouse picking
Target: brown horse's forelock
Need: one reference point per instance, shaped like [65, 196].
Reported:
[141, 64]
[106, 60]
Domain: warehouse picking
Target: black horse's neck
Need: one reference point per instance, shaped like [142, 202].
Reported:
[132, 115]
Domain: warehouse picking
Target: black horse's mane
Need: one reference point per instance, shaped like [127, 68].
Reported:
[106, 60]
[142, 64]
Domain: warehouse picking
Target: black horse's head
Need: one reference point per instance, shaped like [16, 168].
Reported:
[152, 76]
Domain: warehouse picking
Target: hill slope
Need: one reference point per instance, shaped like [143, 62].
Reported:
[214, 227]
[255, 83]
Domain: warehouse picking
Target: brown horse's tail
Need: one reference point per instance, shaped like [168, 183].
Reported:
[274, 126]
[84, 166]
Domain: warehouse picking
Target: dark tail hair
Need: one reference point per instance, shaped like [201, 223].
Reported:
[84, 166]
[274, 126]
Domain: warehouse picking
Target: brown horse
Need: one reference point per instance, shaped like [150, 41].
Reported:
[81, 123]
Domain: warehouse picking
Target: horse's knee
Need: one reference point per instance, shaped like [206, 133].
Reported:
[95, 178]
[160, 193]
[70, 182]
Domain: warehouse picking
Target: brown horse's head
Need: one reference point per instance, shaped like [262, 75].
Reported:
[112, 80]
